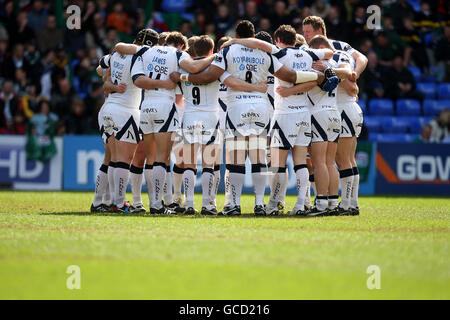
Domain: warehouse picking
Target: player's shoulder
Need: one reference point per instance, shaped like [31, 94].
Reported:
[342, 57]
[340, 45]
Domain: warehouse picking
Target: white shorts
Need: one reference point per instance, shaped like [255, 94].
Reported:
[122, 122]
[200, 127]
[290, 130]
[248, 119]
[325, 126]
[159, 115]
[352, 120]
[105, 136]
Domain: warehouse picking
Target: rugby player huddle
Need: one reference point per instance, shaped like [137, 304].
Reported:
[166, 93]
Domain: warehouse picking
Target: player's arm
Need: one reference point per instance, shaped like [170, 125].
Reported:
[126, 48]
[298, 76]
[179, 100]
[343, 71]
[146, 83]
[195, 66]
[207, 76]
[99, 71]
[298, 88]
[110, 87]
[241, 85]
[350, 87]
[360, 62]
[251, 43]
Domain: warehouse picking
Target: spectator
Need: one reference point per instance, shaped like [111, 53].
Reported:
[96, 37]
[320, 8]
[186, 29]
[387, 50]
[76, 122]
[199, 23]
[425, 134]
[400, 10]
[49, 37]
[20, 82]
[111, 38]
[440, 126]
[37, 16]
[366, 46]
[12, 119]
[16, 61]
[264, 25]
[118, 19]
[40, 133]
[279, 16]
[336, 27]
[371, 81]
[62, 97]
[412, 38]
[30, 100]
[20, 32]
[442, 54]
[251, 13]
[94, 101]
[425, 20]
[294, 11]
[358, 25]
[399, 82]
[223, 21]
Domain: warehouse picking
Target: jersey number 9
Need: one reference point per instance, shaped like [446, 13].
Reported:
[196, 96]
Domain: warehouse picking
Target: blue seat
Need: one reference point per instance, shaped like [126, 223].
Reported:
[416, 123]
[372, 123]
[394, 124]
[392, 137]
[381, 107]
[362, 104]
[434, 107]
[444, 91]
[416, 73]
[408, 107]
[428, 89]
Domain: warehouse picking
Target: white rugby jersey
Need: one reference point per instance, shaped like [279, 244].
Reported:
[341, 45]
[251, 65]
[201, 97]
[298, 60]
[340, 58]
[223, 96]
[157, 63]
[318, 99]
[120, 73]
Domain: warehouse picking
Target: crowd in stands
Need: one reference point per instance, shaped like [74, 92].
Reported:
[43, 60]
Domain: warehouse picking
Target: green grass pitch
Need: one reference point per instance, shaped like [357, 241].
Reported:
[145, 257]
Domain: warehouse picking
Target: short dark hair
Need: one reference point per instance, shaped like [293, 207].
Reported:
[299, 40]
[316, 22]
[191, 49]
[285, 34]
[264, 36]
[162, 38]
[147, 37]
[203, 45]
[176, 39]
[318, 41]
[221, 42]
[245, 29]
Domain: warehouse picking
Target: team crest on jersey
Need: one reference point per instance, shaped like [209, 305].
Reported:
[150, 67]
[187, 84]
[241, 67]
[218, 59]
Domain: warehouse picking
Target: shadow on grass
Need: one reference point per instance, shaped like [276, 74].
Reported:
[160, 216]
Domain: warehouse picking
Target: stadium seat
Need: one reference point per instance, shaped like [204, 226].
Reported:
[363, 106]
[408, 107]
[394, 124]
[433, 107]
[416, 73]
[392, 137]
[373, 124]
[381, 107]
[428, 89]
[444, 91]
[416, 123]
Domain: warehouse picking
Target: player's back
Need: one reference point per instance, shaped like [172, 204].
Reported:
[318, 99]
[251, 65]
[200, 97]
[341, 58]
[295, 59]
[120, 73]
[158, 63]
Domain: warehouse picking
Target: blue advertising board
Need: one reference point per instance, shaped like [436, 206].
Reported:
[413, 169]
[21, 174]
